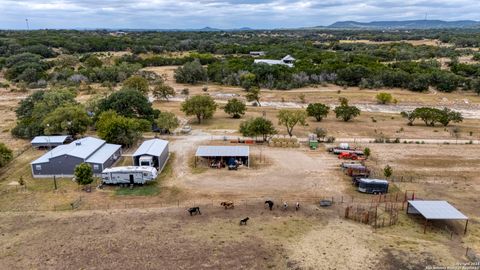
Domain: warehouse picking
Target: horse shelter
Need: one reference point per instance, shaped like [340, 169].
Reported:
[238, 155]
[436, 210]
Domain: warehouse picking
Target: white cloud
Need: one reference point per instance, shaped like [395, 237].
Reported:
[224, 13]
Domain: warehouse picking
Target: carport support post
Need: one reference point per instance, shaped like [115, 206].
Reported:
[466, 225]
[425, 228]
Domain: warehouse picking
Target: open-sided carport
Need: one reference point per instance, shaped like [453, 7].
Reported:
[436, 210]
[224, 152]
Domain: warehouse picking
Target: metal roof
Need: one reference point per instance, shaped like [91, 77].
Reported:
[82, 148]
[223, 151]
[437, 210]
[49, 139]
[271, 62]
[152, 147]
[104, 153]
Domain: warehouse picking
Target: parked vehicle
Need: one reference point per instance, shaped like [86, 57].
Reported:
[351, 156]
[186, 129]
[146, 161]
[372, 186]
[129, 175]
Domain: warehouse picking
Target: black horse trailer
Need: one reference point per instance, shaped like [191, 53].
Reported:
[372, 186]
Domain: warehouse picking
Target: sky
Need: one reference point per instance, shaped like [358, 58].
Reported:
[225, 14]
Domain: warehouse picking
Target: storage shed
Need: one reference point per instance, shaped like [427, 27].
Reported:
[435, 210]
[152, 153]
[62, 160]
[224, 153]
[50, 142]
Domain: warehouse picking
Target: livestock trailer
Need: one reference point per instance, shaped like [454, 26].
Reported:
[372, 186]
[129, 175]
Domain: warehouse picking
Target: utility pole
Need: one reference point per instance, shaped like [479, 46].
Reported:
[55, 182]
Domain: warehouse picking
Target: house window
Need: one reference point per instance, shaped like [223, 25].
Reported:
[38, 167]
[95, 167]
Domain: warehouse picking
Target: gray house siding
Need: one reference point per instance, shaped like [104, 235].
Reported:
[109, 163]
[162, 159]
[59, 166]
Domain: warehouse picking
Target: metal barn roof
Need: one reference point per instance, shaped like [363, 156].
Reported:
[49, 139]
[82, 148]
[104, 153]
[223, 151]
[152, 147]
[437, 210]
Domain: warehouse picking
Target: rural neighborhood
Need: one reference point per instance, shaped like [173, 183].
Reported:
[352, 146]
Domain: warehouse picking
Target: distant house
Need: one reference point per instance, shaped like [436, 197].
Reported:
[62, 160]
[152, 153]
[287, 61]
[257, 53]
[50, 141]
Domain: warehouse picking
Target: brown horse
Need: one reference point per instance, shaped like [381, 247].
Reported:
[228, 205]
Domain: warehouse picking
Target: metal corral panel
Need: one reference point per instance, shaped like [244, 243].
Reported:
[437, 210]
[152, 147]
[223, 151]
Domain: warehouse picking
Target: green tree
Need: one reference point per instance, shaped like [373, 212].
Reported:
[6, 155]
[235, 108]
[476, 86]
[367, 152]
[318, 110]
[129, 103]
[247, 80]
[410, 115]
[345, 111]
[83, 174]
[93, 62]
[191, 72]
[384, 98]
[163, 91]
[321, 133]
[167, 121]
[71, 119]
[254, 95]
[257, 127]
[290, 118]
[429, 115]
[118, 129]
[447, 116]
[387, 171]
[138, 83]
[203, 107]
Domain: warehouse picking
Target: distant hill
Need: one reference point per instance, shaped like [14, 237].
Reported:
[413, 24]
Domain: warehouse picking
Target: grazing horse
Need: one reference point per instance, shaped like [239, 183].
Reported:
[270, 204]
[244, 221]
[285, 206]
[194, 210]
[228, 205]
[297, 206]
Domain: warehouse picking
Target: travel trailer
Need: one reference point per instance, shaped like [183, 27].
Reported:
[129, 175]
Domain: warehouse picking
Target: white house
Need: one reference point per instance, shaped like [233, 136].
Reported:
[287, 61]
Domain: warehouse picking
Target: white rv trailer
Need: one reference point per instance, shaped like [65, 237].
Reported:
[129, 175]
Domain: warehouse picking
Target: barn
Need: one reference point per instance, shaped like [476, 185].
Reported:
[152, 153]
[224, 154]
[50, 142]
[62, 160]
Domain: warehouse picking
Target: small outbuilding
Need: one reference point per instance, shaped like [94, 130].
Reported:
[224, 154]
[435, 210]
[152, 153]
[50, 142]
